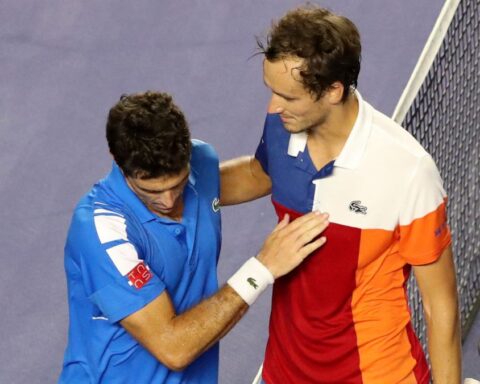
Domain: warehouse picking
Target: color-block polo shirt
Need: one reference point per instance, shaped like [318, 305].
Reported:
[342, 316]
[119, 256]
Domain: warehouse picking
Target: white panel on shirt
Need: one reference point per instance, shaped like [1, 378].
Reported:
[424, 194]
[124, 256]
[110, 227]
[395, 182]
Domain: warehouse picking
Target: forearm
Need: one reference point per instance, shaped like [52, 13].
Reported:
[196, 330]
[438, 287]
[176, 340]
[242, 180]
[444, 344]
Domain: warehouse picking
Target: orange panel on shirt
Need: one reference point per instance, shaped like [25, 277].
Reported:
[380, 320]
[418, 246]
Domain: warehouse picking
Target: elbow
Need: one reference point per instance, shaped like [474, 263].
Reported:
[177, 365]
[176, 360]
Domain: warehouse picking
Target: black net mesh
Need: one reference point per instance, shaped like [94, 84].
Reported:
[445, 118]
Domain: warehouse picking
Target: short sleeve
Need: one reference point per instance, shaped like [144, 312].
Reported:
[115, 275]
[424, 231]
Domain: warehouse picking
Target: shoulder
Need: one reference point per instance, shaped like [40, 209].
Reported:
[400, 155]
[203, 155]
[275, 136]
[274, 126]
[205, 166]
[394, 147]
[406, 158]
[96, 220]
[203, 150]
[395, 137]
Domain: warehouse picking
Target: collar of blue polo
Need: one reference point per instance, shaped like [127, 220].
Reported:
[355, 145]
[117, 183]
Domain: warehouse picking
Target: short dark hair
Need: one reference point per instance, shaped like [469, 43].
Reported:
[328, 43]
[148, 135]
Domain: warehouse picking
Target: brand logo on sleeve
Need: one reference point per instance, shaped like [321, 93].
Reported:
[216, 204]
[440, 229]
[139, 275]
[355, 206]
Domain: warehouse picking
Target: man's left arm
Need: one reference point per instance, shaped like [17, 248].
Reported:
[437, 284]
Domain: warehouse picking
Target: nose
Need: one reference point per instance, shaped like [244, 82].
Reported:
[276, 104]
[167, 199]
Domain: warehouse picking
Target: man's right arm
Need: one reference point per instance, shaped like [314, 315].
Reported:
[176, 340]
[243, 179]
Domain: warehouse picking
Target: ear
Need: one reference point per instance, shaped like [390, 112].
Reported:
[335, 92]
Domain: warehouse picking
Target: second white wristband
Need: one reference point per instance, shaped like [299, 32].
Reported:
[251, 280]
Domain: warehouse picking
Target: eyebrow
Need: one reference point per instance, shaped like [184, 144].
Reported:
[163, 190]
[277, 93]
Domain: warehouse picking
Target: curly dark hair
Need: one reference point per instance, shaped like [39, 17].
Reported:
[148, 135]
[328, 43]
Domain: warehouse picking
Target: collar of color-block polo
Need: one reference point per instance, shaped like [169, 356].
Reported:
[355, 145]
[116, 181]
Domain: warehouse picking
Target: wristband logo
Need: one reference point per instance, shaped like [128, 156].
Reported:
[252, 282]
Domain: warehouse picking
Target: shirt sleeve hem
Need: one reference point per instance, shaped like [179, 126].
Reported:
[431, 257]
[128, 310]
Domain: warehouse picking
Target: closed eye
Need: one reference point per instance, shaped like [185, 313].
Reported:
[284, 97]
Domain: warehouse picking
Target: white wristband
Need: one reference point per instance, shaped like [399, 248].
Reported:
[251, 280]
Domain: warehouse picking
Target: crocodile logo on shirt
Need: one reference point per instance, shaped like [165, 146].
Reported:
[355, 206]
[252, 282]
[216, 204]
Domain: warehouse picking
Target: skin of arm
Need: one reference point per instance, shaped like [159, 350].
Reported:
[243, 179]
[176, 340]
[437, 284]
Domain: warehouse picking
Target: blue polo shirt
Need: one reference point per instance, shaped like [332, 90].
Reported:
[119, 256]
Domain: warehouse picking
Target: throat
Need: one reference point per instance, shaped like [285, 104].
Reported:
[322, 153]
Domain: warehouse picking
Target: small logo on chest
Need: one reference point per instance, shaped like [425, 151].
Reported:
[216, 204]
[357, 207]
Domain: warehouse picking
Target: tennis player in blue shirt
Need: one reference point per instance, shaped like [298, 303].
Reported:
[141, 256]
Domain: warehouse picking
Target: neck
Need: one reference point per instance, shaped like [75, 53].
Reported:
[335, 130]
